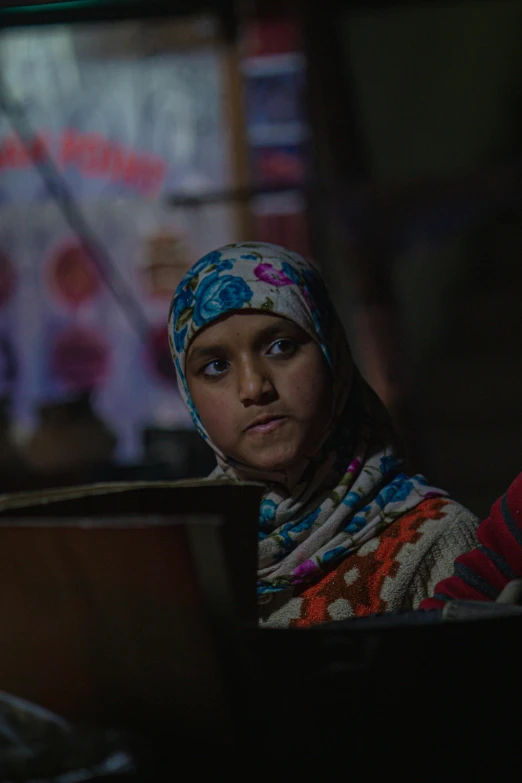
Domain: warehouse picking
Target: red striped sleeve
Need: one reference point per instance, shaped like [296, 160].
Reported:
[501, 532]
[482, 573]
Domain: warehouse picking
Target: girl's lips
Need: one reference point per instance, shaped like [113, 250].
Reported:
[268, 425]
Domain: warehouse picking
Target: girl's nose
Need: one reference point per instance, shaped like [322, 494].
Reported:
[255, 386]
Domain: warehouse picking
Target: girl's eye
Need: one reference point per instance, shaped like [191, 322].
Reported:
[282, 347]
[215, 369]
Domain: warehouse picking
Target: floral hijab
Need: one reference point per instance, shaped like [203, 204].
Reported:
[351, 487]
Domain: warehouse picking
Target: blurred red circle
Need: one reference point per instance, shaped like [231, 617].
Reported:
[73, 275]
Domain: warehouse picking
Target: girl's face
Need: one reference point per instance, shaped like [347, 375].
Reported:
[262, 388]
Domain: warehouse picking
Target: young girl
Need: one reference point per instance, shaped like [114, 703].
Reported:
[264, 366]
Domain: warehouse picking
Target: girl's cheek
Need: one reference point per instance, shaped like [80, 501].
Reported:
[216, 415]
[306, 389]
[310, 388]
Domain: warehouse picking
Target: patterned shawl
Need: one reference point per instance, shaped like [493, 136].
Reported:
[351, 487]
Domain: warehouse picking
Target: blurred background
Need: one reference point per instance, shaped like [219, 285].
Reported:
[382, 139]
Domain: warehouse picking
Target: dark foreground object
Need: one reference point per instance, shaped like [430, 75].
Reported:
[409, 698]
[132, 610]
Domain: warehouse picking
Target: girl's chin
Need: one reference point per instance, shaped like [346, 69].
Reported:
[271, 463]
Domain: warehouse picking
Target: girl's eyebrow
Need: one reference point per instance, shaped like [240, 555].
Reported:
[206, 352]
[283, 326]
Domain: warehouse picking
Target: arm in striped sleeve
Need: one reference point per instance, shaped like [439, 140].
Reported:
[482, 573]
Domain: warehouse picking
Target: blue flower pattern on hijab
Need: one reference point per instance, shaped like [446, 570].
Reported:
[301, 535]
[218, 295]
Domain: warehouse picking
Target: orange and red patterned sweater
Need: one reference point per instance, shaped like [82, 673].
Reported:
[392, 572]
